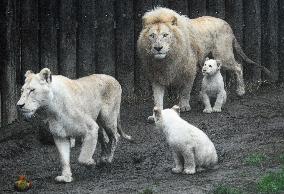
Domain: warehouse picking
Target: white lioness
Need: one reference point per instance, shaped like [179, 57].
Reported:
[212, 86]
[171, 46]
[72, 107]
[191, 148]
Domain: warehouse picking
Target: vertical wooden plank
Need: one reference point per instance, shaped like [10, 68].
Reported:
[86, 38]
[48, 35]
[8, 70]
[125, 45]
[216, 8]
[281, 39]
[67, 36]
[105, 48]
[180, 6]
[197, 8]
[252, 37]
[270, 36]
[140, 81]
[29, 36]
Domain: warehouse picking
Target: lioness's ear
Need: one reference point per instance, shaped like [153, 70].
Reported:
[174, 21]
[45, 74]
[219, 64]
[176, 108]
[28, 73]
[157, 112]
[207, 58]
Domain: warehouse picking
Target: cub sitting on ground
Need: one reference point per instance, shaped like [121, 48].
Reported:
[191, 148]
[212, 86]
[72, 108]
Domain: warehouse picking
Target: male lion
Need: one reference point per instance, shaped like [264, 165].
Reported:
[171, 45]
[71, 108]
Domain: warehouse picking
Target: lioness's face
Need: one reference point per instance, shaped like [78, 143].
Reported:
[160, 38]
[35, 93]
[210, 67]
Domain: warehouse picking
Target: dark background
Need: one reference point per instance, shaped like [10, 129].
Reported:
[77, 38]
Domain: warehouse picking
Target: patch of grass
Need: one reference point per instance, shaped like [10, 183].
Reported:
[147, 191]
[255, 159]
[273, 182]
[223, 189]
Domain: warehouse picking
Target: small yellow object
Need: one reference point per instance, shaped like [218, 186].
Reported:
[23, 184]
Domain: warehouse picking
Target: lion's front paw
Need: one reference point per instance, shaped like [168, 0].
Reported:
[176, 170]
[208, 110]
[189, 171]
[217, 109]
[89, 162]
[64, 179]
[151, 119]
[185, 108]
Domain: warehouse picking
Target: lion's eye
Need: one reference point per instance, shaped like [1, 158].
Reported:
[165, 35]
[152, 35]
[32, 90]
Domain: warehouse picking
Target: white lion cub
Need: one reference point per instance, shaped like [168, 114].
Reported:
[212, 86]
[192, 149]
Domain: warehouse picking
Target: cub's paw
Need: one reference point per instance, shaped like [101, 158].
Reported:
[200, 169]
[176, 170]
[215, 109]
[151, 119]
[189, 171]
[89, 162]
[208, 110]
[240, 91]
[64, 179]
[105, 160]
[185, 108]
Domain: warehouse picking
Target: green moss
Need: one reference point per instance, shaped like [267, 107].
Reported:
[255, 159]
[223, 189]
[272, 182]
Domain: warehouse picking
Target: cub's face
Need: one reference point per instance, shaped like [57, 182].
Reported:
[160, 38]
[35, 93]
[210, 67]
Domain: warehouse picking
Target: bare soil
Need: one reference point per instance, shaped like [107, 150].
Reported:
[252, 124]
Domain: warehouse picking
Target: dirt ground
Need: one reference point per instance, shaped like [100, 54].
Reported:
[252, 124]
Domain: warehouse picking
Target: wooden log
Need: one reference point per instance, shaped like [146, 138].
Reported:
[29, 37]
[67, 36]
[9, 52]
[125, 46]
[252, 37]
[197, 8]
[269, 12]
[281, 40]
[105, 47]
[48, 35]
[141, 84]
[180, 6]
[86, 38]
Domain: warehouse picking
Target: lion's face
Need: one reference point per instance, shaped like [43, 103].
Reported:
[36, 92]
[210, 67]
[160, 39]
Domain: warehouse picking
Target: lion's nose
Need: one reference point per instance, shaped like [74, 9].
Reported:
[158, 48]
[20, 105]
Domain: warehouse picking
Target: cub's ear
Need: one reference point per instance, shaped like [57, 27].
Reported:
[207, 58]
[45, 74]
[174, 21]
[157, 112]
[219, 64]
[28, 73]
[176, 108]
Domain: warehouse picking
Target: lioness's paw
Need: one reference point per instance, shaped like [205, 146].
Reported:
[189, 171]
[89, 162]
[176, 170]
[217, 109]
[240, 91]
[64, 179]
[151, 119]
[185, 108]
[208, 110]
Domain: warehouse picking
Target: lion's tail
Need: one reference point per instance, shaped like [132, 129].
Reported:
[240, 51]
[121, 132]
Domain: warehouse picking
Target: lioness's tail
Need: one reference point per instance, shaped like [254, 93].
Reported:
[121, 132]
[240, 51]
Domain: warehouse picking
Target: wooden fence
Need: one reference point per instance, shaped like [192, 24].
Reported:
[79, 37]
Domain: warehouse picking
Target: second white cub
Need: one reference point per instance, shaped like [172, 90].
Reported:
[212, 86]
[191, 148]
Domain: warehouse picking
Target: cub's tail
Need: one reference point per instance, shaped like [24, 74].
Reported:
[240, 51]
[121, 132]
